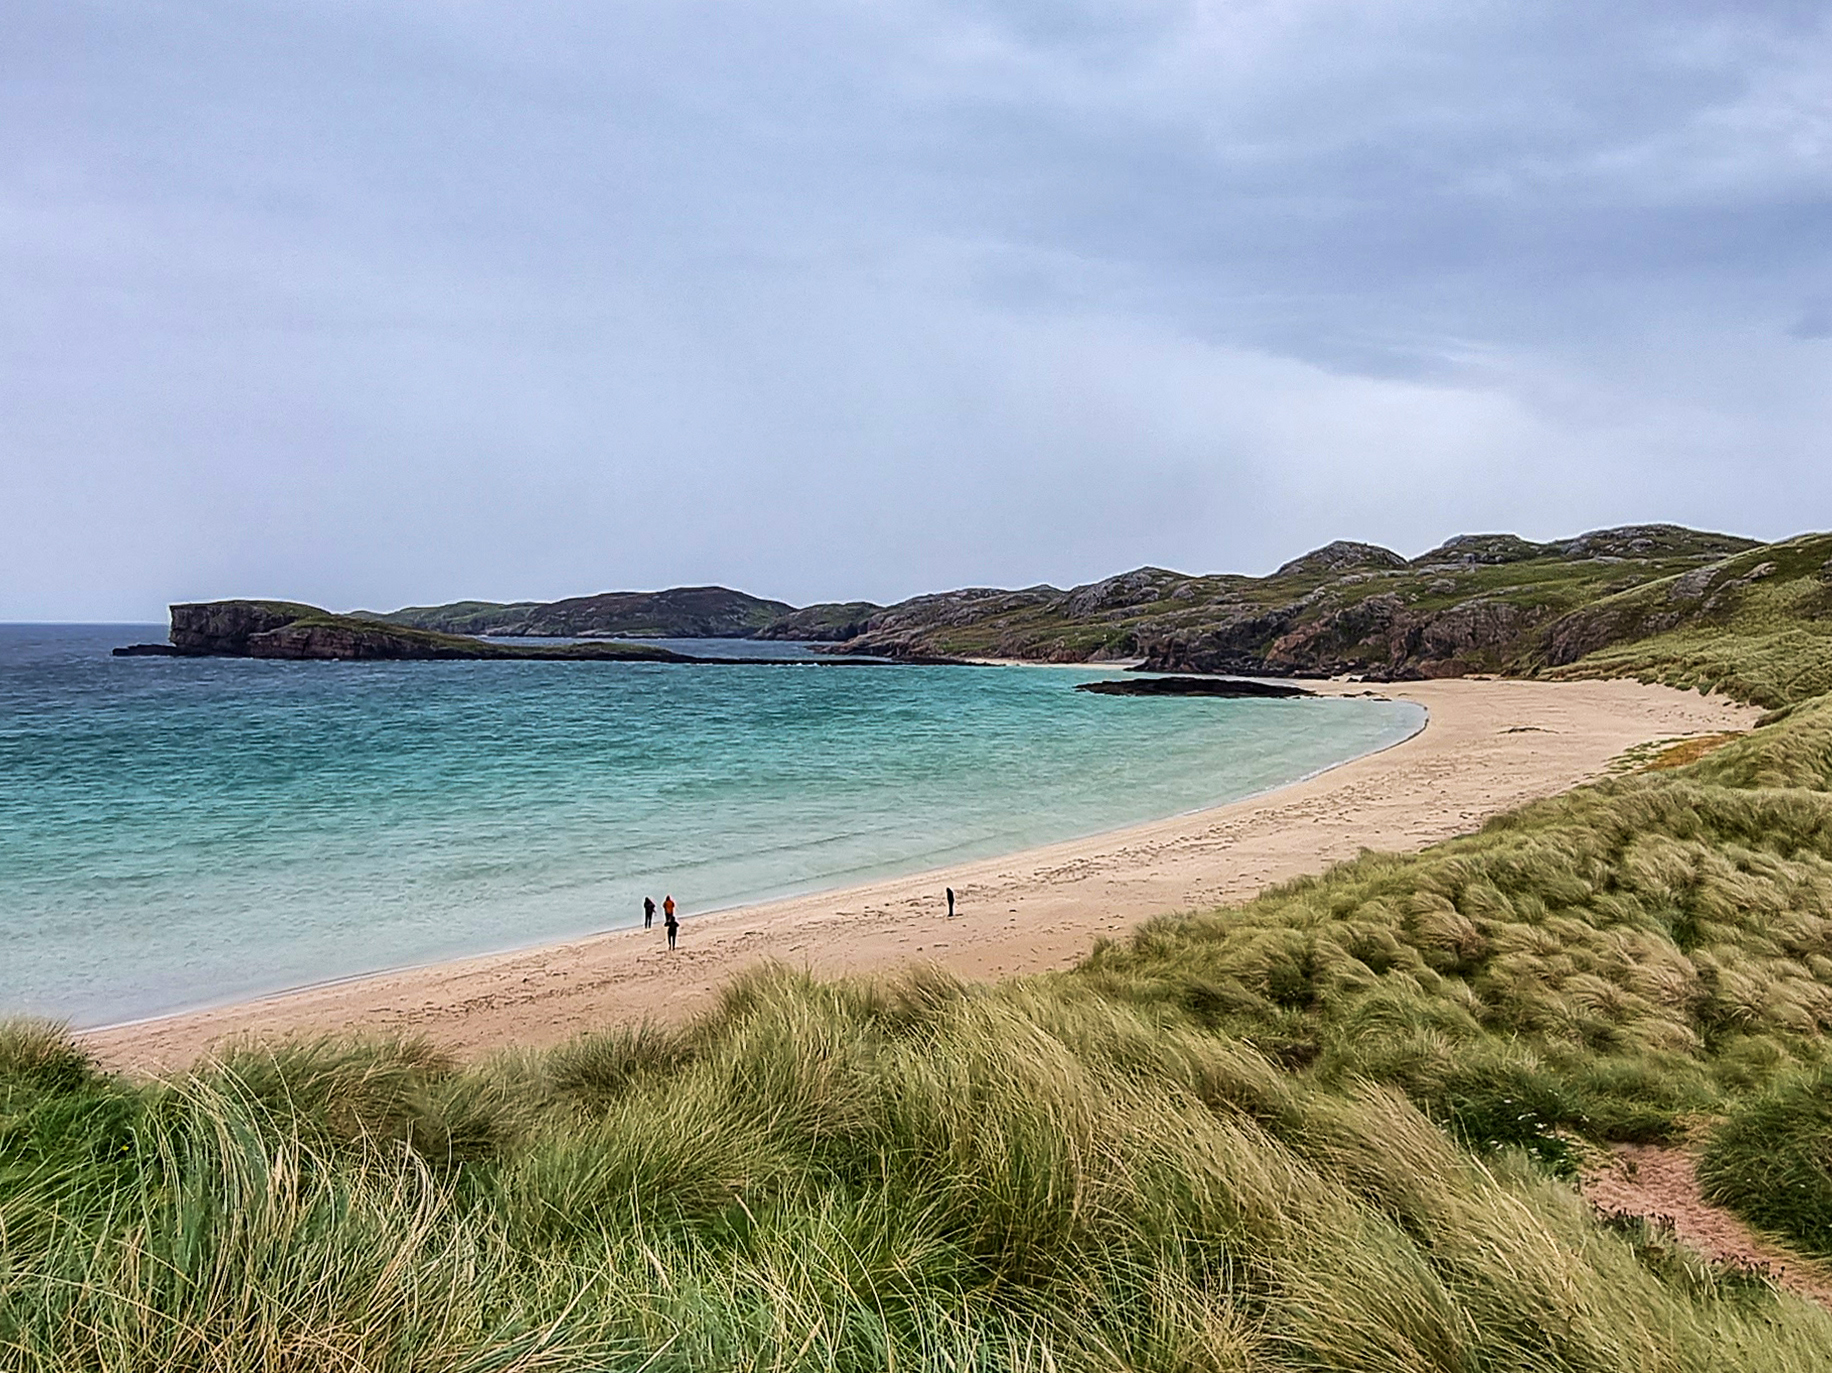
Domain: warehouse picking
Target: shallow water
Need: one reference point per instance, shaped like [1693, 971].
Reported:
[176, 832]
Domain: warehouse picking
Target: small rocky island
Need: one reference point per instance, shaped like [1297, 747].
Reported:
[1233, 687]
[288, 629]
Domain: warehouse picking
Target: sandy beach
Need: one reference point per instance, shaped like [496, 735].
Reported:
[1488, 746]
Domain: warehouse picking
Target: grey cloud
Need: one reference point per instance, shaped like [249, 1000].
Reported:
[406, 301]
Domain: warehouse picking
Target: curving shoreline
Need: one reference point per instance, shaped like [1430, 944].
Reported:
[1487, 746]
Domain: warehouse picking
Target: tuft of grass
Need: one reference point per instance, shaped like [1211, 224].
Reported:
[1772, 1159]
[361, 1095]
[41, 1055]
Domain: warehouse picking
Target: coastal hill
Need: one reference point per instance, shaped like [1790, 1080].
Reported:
[1642, 600]
[683, 612]
[1473, 603]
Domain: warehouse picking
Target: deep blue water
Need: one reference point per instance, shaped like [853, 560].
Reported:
[175, 832]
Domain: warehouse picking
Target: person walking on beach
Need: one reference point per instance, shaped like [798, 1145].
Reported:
[648, 912]
[950, 891]
[672, 925]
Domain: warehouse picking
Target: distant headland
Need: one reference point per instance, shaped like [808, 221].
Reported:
[1637, 600]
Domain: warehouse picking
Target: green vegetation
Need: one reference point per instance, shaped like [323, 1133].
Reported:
[817, 1176]
[1757, 626]
[1772, 1160]
[457, 617]
[684, 612]
[1479, 603]
[1609, 964]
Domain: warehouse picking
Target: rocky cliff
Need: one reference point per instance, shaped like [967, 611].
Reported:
[224, 628]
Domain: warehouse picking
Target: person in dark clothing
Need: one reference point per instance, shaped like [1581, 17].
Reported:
[950, 903]
[648, 912]
[673, 926]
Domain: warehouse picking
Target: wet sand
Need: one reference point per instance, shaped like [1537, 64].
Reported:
[1488, 746]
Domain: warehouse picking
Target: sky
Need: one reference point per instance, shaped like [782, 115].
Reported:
[371, 303]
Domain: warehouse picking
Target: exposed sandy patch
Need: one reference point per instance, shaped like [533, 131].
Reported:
[1662, 1184]
[1489, 746]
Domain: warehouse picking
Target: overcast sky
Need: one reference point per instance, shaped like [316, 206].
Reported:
[380, 302]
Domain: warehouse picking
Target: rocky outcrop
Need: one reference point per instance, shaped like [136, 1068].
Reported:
[1344, 555]
[224, 628]
[1653, 541]
[825, 623]
[355, 641]
[1489, 550]
[1378, 636]
[1226, 687]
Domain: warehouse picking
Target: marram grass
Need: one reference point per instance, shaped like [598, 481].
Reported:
[819, 1176]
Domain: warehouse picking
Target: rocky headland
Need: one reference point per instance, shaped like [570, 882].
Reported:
[288, 629]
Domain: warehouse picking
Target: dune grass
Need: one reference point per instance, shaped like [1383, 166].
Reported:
[1772, 1159]
[925, 1175]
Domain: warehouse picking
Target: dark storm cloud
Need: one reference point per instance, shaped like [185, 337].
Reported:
[375, 303]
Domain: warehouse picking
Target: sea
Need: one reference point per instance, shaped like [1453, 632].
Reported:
[181, 832]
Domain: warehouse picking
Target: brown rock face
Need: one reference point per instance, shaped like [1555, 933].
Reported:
[225, 627]
[1380, 636]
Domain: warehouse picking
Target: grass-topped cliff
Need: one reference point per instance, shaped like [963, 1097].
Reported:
[1333, 1128]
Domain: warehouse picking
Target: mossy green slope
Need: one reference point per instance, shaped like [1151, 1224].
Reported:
[1757, 626]
[1476, 603]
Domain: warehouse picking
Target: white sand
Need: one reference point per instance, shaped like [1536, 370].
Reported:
[1489, 746]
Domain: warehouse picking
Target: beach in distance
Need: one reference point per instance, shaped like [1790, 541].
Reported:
[1489, 745]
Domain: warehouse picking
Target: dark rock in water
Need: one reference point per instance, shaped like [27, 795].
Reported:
[1193, 686]
[154, 651]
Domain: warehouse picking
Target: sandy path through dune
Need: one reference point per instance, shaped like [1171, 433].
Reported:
[1489, 745]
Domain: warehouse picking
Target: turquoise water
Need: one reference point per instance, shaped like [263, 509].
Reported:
[175, 832]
